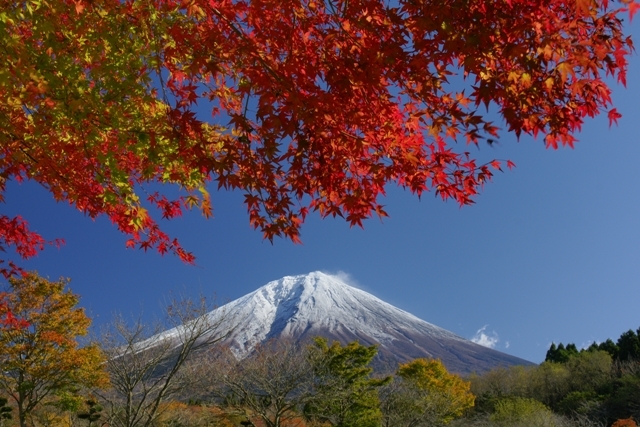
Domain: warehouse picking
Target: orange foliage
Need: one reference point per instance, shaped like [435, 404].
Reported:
[200, 415]
[628, 422]
[446, 394]
[193, 415]
[43, 357]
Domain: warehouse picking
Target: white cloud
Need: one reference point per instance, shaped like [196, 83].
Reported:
[345, 277]
[506, 344]
[485, 339]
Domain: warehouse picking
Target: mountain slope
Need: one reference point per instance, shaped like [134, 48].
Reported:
[317, 304]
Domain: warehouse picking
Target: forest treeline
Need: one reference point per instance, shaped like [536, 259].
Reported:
[596, 386]
[626, 348]
[129, 376]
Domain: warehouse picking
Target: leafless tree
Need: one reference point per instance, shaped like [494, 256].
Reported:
[620, 368]
[148, 366]
[398, 403]
[272, 384]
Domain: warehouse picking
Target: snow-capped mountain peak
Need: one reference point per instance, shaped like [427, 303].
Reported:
[314, 302]
[319, 304]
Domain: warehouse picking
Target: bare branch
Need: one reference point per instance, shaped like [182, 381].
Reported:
[147, 368]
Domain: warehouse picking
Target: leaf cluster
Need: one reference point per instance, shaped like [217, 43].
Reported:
[102, 102]
[43, 358]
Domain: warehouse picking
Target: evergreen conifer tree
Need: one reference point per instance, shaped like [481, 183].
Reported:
[561, 354]
[551, 353]
[93, 412]
[629, 346]
[5, 411]
[610, 347]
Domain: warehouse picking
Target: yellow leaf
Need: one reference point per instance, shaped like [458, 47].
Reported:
[549, 83]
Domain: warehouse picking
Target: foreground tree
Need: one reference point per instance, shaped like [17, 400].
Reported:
[147, 367]
[272, 384]
[44, 358]
[344, 392]
[99, 97]
[424, 393]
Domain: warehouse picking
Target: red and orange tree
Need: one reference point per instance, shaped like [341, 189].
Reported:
[43, 358]
[305, 105]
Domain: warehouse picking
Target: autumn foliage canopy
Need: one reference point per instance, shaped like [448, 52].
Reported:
[305, 105]
[43, 357]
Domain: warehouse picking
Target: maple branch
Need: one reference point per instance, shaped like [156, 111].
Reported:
[258, 56]
[332, 6]
[29, 156]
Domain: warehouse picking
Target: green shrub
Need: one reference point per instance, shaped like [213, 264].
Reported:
[522, 412]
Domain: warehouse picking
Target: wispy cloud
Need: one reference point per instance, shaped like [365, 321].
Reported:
[345, 277]
[485, 339]
[506, 344]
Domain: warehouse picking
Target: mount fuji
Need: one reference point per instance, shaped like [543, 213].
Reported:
[317, 304]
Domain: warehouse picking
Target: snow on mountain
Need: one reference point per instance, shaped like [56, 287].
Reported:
[317, 304]
[297, 305]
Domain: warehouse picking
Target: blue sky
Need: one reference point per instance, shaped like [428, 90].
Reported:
[550, 251]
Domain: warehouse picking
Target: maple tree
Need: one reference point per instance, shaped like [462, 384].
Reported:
[101, 99]
[43, 357]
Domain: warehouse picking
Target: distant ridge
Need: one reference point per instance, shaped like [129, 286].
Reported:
[317, 304]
